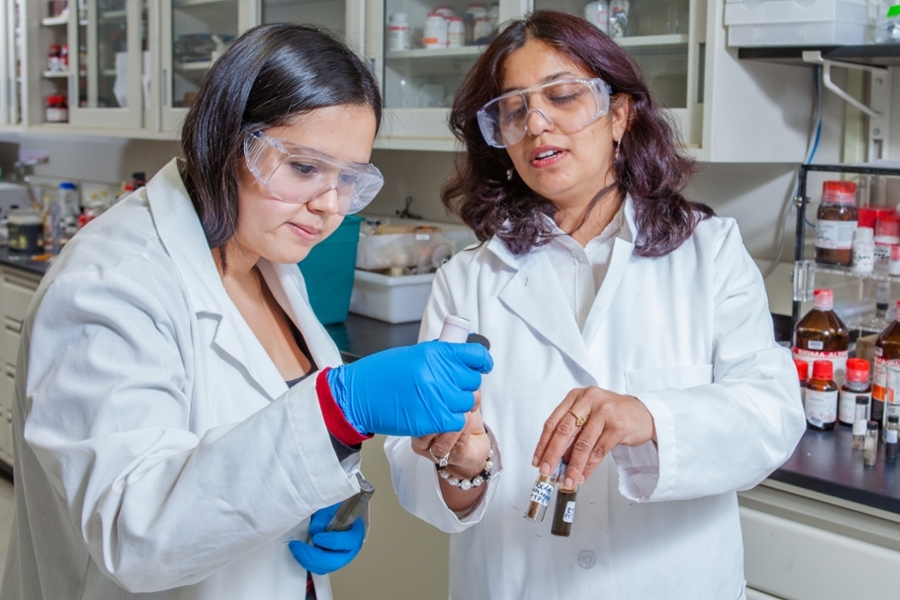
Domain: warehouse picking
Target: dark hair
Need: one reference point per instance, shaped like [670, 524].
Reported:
[266, 78]
[648, 166]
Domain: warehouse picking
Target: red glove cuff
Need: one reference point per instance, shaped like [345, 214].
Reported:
[335, 420]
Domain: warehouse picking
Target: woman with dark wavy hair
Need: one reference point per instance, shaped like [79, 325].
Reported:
[633, 345]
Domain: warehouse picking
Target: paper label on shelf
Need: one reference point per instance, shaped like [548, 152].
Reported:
[821, 407]
[835, 235]
[838, 359]
[879, 377]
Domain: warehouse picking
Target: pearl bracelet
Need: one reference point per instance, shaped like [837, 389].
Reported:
[467, 484]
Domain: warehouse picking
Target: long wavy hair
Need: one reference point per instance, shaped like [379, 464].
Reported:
[649, 165]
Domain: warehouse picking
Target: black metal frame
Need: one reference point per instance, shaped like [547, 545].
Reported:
[802, 200]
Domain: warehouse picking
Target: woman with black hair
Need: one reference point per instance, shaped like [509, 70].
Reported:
[183, 425]
[631, 336]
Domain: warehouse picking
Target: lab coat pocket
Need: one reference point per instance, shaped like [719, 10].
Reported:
[666, 378]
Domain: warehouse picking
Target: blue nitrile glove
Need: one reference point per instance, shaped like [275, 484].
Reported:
[328, 550]
[411, 391]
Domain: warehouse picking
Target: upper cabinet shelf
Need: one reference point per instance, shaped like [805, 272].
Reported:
[884, 55]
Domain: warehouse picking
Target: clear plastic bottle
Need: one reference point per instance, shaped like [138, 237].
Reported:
[887, 22]
[435, 33]
[877, 319]
[821, 335]
[887, 353]
[864, 250]
[856, 384]
[821, 397]
[836, 220]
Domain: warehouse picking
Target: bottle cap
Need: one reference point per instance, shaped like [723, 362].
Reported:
[893, 419]
[456, 329]
[857, 370]
[67, 185]
[865, 234]
[843, 192]
[802, 369]
[862, 399]
[872, 425]
[823, 370]
[823, 299]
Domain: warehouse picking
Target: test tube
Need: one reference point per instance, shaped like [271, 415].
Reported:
[870, 452]
[859, 422]
[351, 508]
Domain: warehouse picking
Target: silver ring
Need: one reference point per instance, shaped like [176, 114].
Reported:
[441, 461]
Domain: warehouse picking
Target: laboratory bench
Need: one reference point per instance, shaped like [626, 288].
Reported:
[821, 526]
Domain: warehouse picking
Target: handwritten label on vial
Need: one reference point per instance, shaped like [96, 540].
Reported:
[569, 515]
[541, 493]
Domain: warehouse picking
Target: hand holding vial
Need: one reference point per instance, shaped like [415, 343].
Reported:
[586, 426]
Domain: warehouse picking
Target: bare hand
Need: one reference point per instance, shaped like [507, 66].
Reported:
[467, 449]
[611, 420]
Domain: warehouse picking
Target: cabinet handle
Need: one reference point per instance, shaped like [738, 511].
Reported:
[162, 88]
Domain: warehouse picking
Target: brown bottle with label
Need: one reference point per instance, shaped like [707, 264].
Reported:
[887, 353]
[836, 220]
[821, 335]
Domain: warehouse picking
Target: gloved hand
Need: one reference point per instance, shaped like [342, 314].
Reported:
[329, 550]
[411, 391]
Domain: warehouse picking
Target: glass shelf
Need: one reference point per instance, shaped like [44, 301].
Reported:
[885, 55]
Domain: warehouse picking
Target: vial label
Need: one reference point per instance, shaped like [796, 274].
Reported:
[821, 407]
[541, 493]
[835, 235]
[890, 437]
[816, 344]
[847, 405]
[569, 515]
[864, 259]
[879, 377]
[859, 427]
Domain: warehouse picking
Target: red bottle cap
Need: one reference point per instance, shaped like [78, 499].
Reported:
[823, 370]
[839, 187]
[823, 299]
[857, 370]
[802, 369]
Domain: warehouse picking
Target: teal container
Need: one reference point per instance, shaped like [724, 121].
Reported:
[328, 271]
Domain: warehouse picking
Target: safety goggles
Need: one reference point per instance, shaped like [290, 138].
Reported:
[570, 105]
[297, 174]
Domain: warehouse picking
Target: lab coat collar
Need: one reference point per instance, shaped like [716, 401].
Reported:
[182, 235]
[534, 287]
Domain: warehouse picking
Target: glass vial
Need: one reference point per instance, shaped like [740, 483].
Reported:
[564, 513]
[870, 449]
[890, 438]
[821, 397]
[887, 354]
[864, 250]
[859, 425]
[541, 493]
[856, 383]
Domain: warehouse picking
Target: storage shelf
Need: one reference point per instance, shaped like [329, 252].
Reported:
[643, 41]
[189, 3]
[113, 14]
[54, 21]
[202, 65]
[885, 55]
[849, 272]
[55, 74]
[434, 52]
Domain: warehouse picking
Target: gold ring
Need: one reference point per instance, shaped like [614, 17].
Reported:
[579, 421]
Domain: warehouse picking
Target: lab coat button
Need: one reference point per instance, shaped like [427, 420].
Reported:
[586, 559]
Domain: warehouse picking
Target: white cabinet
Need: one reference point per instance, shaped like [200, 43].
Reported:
[17, 288]
[10, 51]
[725, 110]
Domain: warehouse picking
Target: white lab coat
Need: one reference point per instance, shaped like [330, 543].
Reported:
[690, 335]
[158, 449]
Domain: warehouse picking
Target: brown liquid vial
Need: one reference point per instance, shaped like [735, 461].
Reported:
[821, 398]
[836, 221]
[887, 352]
[564, 513]
[821, 335]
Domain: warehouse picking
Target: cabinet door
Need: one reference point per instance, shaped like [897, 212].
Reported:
[343, 18]
[107, 90]
[662, 36]
[418, 81]
[193, 34]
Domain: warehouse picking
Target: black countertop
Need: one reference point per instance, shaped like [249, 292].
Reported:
[824, 462]
[22, 261]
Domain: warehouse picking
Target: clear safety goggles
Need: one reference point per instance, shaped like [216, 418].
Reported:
[570, 105]
[297, 174]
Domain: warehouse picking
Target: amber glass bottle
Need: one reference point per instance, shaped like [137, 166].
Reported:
[821, 397]
[887, 353]
[836, 220]
[821, 335]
